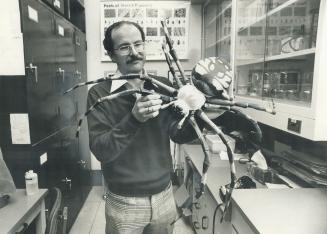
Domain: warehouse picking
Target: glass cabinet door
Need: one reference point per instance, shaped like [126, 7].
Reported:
[250, 47]
[275, 49]
[217, 32]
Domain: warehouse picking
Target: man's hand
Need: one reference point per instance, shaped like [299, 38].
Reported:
[147, 107]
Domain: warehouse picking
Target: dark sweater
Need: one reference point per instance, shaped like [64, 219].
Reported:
[135, 157]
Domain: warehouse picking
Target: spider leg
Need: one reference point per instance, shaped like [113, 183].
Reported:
[167, 88]
[171, 68]
[116, 95]
[110, 77]
[180, 124]
[253, 122]
[102, 99]
[86, 83]
[227, 203]
[230, 154]
[172, 51]
[213, 107]
[239, 104]
[206, 161]
[164, 106]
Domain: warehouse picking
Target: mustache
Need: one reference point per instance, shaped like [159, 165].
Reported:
[135, 58]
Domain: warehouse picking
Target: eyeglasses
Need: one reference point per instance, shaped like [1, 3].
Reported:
[126, 49]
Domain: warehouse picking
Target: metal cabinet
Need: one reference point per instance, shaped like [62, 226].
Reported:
[38, 36]
[55, 60]
[50, 58]
[206, 214]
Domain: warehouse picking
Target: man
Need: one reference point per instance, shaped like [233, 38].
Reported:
[130, 137]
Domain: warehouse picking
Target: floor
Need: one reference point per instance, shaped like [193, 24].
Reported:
[91, 218]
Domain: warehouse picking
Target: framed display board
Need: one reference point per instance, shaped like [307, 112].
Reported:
[148, 15]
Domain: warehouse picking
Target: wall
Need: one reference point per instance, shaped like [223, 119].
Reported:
[11, 46]
[96, 68]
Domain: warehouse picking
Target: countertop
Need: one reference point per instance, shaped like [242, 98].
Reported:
[219, 171]
[16, 211]
[282, 211]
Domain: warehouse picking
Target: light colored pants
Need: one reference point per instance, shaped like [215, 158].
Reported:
[137, 215]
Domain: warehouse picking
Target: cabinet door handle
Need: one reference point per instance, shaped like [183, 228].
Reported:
[67, 181]
[78, 74]
[33, 69]
[77, 40]
[61, 73]
[82, 163]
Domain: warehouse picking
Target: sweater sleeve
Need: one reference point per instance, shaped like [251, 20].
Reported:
[107, 137]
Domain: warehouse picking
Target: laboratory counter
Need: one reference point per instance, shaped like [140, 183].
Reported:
[22, 210]
[262, 210]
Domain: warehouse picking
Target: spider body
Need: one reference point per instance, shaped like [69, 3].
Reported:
[212, 76]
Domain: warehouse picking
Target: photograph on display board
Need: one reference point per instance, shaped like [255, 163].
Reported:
[148, 15]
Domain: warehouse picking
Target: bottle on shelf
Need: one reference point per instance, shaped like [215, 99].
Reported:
[31, 182]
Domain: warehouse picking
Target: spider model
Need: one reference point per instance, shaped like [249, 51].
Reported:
[207, 90]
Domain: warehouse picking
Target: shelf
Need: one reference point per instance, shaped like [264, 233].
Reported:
[270, 13]
[223, 39]
[302, 104]
[261, 34]
[278, 57]
[221, 12]
[219, 40]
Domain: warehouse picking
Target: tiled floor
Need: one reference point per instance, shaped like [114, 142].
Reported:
[91, 217]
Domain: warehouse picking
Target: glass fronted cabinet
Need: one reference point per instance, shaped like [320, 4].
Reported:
[276, 44]
[217, 23]
[279, 58]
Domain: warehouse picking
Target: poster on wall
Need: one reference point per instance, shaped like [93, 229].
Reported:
[148, 15]
[20, 130]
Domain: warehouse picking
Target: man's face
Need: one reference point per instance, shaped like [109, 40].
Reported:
[132, 62]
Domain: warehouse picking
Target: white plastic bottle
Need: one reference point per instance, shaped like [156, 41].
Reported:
[31, 182]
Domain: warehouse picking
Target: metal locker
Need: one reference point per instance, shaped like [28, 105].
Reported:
[65, 68]
[53, 64]
[80, 70]
[38, 34]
